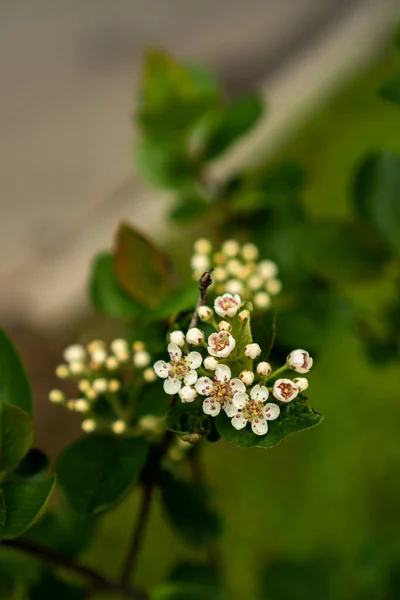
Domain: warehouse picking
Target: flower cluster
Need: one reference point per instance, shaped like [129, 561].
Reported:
[103, 375]
[238, 270]
[215, 371]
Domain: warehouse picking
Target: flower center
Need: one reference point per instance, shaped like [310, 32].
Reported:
[222, 392]
[253, 410]
[178, 368]
[221, 341]
[286, 390]
[227, 303]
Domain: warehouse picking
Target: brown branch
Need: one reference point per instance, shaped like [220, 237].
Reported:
[52, 557]
[204, 283]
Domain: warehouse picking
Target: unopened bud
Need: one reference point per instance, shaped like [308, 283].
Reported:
[250, 252]
[88, 425]
[111, 363]
[210, 363]
[192, 438]
[100, 385]
[187, 394]
[300, 361]
[244, 315]
[301, 382]
[247, 377]
[77, 368]
[73, 353]
[138, 346]
[273, 286]
[262, 300]
[202, 246]
[62, 372]
[264, 369]
[57, 396]
[230, 247]
[81, 405]
[141, 359]
[149, 375]
[114, 385]
[119, 346]
[177, 337]
[194, 336]
[84, 385]
[224, 326]
[205, 313]
[252, 351]
[118, 426]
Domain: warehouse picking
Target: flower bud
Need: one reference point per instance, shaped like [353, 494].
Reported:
[138, 346]
[88, 425]
[255, 282]
[252, 351]
[202, 246]
[177, 337]
[210, 363]
[74, 353]
[224, 326]
[234, 286]
[200, 262]
[77, 368]
[273, 286]
[95, 345]
[262, 300]
[57, 396]
[250, 252]
[244, 315]
[300, 361]
[81, 405]
[220, 274]
[192, 438]
[118, 426]
[141, 359]
[98, 355]
[100, 385]
[62, 372]
[119, 346]
[247, 377]
[267, 269]
[187, 394]
[205, 313]
[91, 394]
[151, 424]
[264, 369]
[194, 336]
[234, 267]
[301, 382]
[114, 385]
[112, 363]
[230, 248]
[149, 375]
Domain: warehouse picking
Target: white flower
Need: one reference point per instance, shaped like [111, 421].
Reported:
[264, 369]
[250, 252]
[220, 391]
[119, 346]
[99, 355]
[210, 363]
[221, 344]
[179, 369]
[285, 390]
[262, 300]
[82, 405]
[149, 375]
[200, 262]
[141, 359]
[84, 385]
[300, 361]
[194, 336]
[273, 286]
[187, 394]
[202, 246]
[100, 385]
[230, 248]
[224, 326]
[62, 372]
[178, 338]
[254, 410]
[118, 426]
[74, 353]
[301, 382]
[227, 305]
[234, 286]
[247, 377]
[267, 269]
[252, 351]
[57, 396]
[88, 425]
[112, 363]
[77, 367]
[205, 313]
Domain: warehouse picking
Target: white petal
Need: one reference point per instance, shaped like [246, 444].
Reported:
[211, 352]
[211, 408]
[222, 372]
[259, 392]
[190, 378]
[271, 411]
[237, 385]
[260, 427]
[204, 386]
[230, 409]
[240, 400]
[238, 421]
[161, 368]
[194, 359]
[174, 351]
[172, 386]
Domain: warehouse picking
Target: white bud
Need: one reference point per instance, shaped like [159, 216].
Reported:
[262, 300]
[230, 248]
[234, 286]
[194, 336]
[141, 359]
[149, 375]
[234, 267]
[220, 274]
[255, 282]
[205, 313]
[91, 394]
[252, 351]
[88, 425]
[100, 385]
[98, 355]
[273, 286]
[250, 252]
[267, 269]
[264, 368]
[247, 377]
[77, 368]
[224, 326]
[62, 372]
[177, 337]
[118, 426]
[123, 357]
[301, 382]
[151, 424]
[95, 345]
[210, 363]
[71, 404]
[57, 396]
[200, 262]
[119, 346]
[81, 405]
[84, 385]
[114, 385]
[244, 315]
[300, 361]
[187, 394]
[138, 346]
[202, 246]
[111, 363]
[74, 353]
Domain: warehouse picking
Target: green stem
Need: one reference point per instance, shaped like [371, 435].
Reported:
[275, 373]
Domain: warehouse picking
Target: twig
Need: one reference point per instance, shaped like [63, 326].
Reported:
[204, 283]
[59, 560]
[137, 534]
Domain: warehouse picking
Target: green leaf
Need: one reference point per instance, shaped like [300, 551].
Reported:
[97, 471]
[142, 269]
[390, 90]
[191, 205]
[51, 587]
[22, 504]
[14, 384]
[295, 416]
[35, 465]
[235, 121]
[192, 581]
[163, 167]
[16, 435]
[188, 418]
[187, 509]
[152, 401]
[105, 292]
[181, 300]
[376, 195]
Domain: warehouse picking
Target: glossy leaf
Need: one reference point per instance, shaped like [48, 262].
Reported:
[97, 471]
[106, 294]
[35, 465]
[22, 504]
[390, 90]
[294, 417]
[142, 269]
[16, 435]
[14, 384]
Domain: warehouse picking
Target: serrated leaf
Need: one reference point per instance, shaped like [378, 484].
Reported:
[142, 269]
[294, 417]
[22, 504]
[106, 294]
[16, 435]
[390, 90]
[14, 384]
[97, 471]
[234, 121]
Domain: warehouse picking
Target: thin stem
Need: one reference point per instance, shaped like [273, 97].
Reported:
[275, 373]
[204, 283]
[99, 582]
[138, 533]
